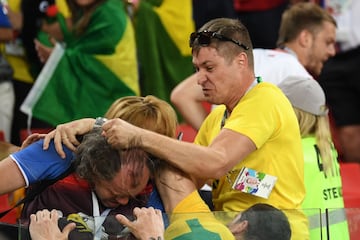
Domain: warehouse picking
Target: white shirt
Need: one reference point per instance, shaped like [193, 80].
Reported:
[347, 16]
[274, 66]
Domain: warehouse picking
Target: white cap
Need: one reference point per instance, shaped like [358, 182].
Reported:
[305, 94]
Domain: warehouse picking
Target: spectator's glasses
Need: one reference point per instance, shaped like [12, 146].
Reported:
[204, 39]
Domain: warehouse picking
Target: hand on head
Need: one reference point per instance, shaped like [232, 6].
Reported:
[66, 134]
[31, 139]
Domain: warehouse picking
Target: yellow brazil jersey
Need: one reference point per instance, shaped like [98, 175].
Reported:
[265, 116]
[192, 219]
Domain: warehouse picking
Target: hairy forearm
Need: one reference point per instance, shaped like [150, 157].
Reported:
[198, 161]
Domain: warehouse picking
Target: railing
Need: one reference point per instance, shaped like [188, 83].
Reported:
[315, 217]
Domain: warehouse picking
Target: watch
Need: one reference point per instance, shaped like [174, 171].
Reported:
[99, 121]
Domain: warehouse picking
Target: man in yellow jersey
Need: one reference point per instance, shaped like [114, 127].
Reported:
[253, 130]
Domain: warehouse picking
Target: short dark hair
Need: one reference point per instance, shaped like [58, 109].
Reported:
[230, 28]
[266, 222]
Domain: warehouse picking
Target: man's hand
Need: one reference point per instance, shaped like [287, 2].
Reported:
[44, 226]
[121, 134]
[148, 223]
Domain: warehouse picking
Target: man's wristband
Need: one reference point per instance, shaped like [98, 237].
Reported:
[99, 121]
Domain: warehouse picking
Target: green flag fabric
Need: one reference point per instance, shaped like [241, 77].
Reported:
[84, 76]
[162, 35]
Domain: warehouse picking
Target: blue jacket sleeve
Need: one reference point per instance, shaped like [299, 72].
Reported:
[37, 164]
[4, 20]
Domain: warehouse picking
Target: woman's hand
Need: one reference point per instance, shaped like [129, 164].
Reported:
[66, 134]
[31, 139]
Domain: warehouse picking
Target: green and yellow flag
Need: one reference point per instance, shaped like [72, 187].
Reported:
[84, 76]
[162, 31]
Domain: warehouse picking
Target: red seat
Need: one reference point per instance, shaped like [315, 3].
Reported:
[4, 201]
[24, 133]
[188, 131]
[4, 205]
[350, 175]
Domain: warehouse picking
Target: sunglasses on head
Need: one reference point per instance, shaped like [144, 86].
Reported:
[204, 39]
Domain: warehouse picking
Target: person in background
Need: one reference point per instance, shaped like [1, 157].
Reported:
[233, 136]
[262, 18]
[339, 79]
[7, 96]
[306, 41]
[86, 73]
[26, 17]
[322, 172]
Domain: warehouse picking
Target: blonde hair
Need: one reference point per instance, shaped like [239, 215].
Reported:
[147, 112]
[311, 124]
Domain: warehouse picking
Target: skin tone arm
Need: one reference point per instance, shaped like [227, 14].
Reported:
[187, 97]
[44, 226]
[16, 19]
[148, 225]
[227, 149]
[11, 177]
[42, 50]
[6, 34]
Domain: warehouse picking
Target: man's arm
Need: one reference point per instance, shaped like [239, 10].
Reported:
[6, 34]
[11, 177]
[187, 97]
[214, 161]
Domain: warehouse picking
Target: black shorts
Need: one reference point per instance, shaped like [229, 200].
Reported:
[340, 79]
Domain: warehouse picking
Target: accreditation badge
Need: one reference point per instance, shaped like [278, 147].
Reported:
[254, 182]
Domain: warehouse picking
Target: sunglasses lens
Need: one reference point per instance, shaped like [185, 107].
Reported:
[204, 38]
[193, 36]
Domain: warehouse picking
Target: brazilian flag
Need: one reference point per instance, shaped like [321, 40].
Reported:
[87, 73]
[162, 30]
